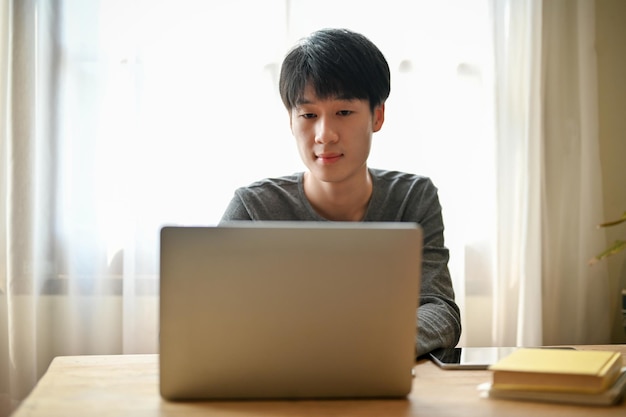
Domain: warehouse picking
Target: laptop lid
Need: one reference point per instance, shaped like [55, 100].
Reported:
[259, 310]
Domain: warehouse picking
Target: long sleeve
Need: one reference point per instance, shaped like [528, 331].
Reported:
[396, 197]
[410, 198]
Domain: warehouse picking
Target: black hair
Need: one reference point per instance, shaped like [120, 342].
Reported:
[337, 63]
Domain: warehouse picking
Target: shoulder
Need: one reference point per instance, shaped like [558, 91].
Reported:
[401, 196]
[285, 184]
[401, 180]
[280, 198]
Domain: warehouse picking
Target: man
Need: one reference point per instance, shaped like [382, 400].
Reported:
[334, 84]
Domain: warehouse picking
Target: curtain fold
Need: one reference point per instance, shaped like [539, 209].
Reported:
[549, 179]
[517, 281]
[577, 304]
[27, 163]
[19, 143]
[5, 50]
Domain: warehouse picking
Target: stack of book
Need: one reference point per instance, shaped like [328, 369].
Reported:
[558, 375]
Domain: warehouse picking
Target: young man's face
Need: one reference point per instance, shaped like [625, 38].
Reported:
[334, 135]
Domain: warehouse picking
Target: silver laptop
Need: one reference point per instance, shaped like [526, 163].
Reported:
[288, 310]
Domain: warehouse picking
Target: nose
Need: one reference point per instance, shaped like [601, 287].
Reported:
[326, 131]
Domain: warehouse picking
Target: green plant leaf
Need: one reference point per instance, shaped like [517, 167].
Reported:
[614, 222]
[618, 246]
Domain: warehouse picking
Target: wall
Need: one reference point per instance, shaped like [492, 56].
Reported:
[611, 49]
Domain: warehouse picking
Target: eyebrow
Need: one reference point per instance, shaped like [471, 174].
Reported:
[303, 100]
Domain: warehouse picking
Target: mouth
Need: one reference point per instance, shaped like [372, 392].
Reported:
[328, 157]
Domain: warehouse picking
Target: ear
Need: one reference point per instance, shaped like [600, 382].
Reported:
[379, 118]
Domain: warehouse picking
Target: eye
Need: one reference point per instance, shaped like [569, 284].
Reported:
[344, 112]
[307, 115]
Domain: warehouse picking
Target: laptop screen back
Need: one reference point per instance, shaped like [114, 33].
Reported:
[257, 310]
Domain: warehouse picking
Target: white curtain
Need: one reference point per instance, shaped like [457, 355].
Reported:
[120, 116]
[548, 195]
[518, 107]
[579, 302]
[549, 177]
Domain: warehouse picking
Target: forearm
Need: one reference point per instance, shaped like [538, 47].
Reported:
[438, 316]
[438, 324]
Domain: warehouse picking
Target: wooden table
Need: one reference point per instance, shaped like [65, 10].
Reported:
[127, 385]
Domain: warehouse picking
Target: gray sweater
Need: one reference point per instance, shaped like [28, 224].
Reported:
[396, 197]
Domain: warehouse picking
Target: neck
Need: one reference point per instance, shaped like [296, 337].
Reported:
[345, 201]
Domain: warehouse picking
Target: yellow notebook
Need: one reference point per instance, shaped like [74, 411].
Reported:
[537, 369]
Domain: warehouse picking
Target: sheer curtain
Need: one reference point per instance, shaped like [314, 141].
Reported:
[549, 177]
[549, 184]
[517, 279]
[579, 305]
[121, 116]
